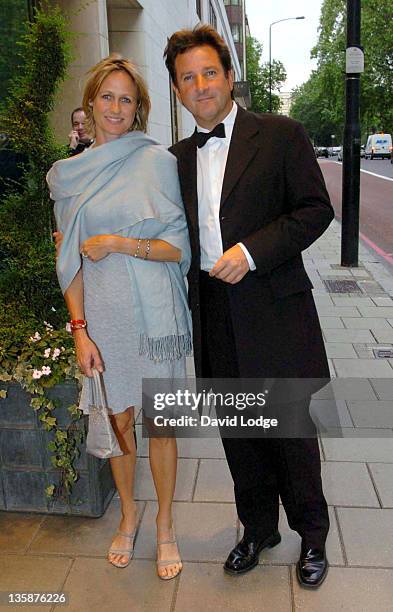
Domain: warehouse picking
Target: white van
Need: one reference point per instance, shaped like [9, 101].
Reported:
[378, 145]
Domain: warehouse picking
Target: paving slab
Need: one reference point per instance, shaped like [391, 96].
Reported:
[95, 584]
[322, 300]
[373, 450]
[188, 448]
[383, 388]
[365, 323]
[332, 323]
[205, 531]
[382, 335]
[17, 529]
[347, 389]
[338, 311]
[348, 590]
[383, 301]
[206, 448]
[362, 368]
[352, 301]
[376, 311]
[382, 474]
[348, 484]
[79, 536]
[204, 586]
[340, 350]
[214, 481]
[348, 335]
[372, 414]
[35, 574]
[185, 479]
[367, 535]
[326, 412]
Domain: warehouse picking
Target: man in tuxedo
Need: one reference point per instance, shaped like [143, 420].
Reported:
[254, 198]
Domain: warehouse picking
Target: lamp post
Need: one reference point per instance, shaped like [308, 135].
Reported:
[270, 55]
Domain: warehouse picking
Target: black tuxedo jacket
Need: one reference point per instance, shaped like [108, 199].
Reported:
[275, 202]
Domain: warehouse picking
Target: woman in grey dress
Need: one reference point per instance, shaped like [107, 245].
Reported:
[124, 254]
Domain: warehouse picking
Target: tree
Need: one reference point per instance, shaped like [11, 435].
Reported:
[28, 284]
[258, 77]
[326, 88]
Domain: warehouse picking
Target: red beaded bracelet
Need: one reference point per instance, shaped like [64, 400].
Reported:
[78, 324]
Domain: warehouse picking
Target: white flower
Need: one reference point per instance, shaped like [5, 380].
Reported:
[46, 370]
[37, 374]
[53, 309]
[48, 325]
[68, 327]
[62, 349]
[47, 353]
[35, 337]
[56, 353]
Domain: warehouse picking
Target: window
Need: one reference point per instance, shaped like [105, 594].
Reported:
[236, 32]
[212, 16]
[232, 2]
[198, 8]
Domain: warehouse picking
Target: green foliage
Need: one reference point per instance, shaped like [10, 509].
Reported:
[39, 362]
[32, 352]
[258, 77]
[13, 15]
[324, 93]
[28, 284]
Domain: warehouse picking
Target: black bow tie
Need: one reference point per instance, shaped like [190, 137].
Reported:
[203, 137]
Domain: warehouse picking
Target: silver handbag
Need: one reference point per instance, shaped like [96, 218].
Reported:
[101, 440]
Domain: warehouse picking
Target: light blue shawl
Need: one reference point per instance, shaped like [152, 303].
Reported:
[129, 186]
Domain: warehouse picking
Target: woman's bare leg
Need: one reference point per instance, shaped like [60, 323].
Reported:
[163, 463]
[123, 470]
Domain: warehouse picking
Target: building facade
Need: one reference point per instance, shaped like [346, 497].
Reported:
[236, 13]
[139, 30]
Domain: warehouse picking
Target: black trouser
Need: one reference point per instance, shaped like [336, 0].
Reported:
[262, 468]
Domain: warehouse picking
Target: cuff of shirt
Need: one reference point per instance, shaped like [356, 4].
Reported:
[248, 257]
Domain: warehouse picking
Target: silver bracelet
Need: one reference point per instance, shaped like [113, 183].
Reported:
[147, 250]
[136, 254]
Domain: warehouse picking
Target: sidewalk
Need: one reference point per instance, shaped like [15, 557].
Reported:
[42, 554]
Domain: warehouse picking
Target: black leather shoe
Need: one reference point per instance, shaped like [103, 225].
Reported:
[312, 567]
[246, 553]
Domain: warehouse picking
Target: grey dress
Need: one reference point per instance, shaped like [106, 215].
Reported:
[108, 302]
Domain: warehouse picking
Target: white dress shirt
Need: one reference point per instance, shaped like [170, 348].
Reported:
[211, 162]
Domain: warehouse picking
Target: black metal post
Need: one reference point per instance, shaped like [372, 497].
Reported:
[270, 68]
[351, 149]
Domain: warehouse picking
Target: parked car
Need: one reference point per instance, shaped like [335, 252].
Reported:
[321, 151]
[340, 155]
[363, 151]
[378, 146]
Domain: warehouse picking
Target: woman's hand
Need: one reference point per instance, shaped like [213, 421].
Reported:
[58, 236]
[87, 354]
[97, 247]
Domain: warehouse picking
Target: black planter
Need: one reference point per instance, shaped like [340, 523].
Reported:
[25, 464]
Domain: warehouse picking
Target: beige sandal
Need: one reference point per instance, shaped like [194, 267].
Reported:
[167, 562]
[129, 552]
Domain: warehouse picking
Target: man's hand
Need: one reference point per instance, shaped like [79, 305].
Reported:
[97, 247]
[58, 236]
[74, 139]
[232, 266]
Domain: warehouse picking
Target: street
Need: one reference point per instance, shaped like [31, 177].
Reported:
[376, 201]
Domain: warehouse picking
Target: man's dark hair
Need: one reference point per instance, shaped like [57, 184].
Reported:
[183, 40]
[76, 110]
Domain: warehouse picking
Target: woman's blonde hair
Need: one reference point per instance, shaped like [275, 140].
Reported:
[98, 73]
